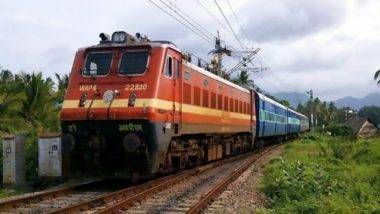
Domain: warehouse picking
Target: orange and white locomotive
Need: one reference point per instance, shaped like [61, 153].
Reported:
[134, 105]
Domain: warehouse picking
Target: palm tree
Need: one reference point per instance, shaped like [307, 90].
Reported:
[377, 76]
[38, 93]
[63, 83]
[243, 80]
[9, 92]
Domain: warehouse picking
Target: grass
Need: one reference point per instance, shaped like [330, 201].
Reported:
[323, 174]
[4, 193]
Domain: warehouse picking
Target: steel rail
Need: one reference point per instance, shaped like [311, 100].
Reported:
[221, 186]
[130, 201]
[109, 197]
[49, 194]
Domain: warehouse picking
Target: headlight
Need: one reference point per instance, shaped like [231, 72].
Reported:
[108, 96]
[119, 37]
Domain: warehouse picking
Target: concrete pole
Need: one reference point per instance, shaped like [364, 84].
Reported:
[14, 159]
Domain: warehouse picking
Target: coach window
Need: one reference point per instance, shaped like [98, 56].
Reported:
[168, 67]
[175, 65]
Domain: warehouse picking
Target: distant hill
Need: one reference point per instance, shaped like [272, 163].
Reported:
[293, 97]
[372, 99]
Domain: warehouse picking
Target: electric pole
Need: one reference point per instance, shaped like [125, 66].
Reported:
[311, 120]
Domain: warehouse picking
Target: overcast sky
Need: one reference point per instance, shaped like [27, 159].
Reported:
[330, 46]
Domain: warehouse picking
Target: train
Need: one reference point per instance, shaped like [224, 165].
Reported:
[141, 107]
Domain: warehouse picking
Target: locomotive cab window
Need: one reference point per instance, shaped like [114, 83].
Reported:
[97, 64]
[133, 63]
[168, 67]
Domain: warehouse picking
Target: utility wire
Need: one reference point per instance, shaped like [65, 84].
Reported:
[191, 19]
[241, 63]
[186, 20]
[229, 25]
[237, 19]
[212, 15]
[182, 23]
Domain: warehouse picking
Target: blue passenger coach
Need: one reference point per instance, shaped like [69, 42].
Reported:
[294, 123]
[276, 121]
[272, 119]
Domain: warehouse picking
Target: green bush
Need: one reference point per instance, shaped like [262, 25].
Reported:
[340, 130]
[335, 175]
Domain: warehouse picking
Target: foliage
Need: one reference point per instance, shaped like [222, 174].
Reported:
[371, 112]
[340, 130]
[285, 103]
[322, 174]
[243, 80]
[30, 104]
[377, 77]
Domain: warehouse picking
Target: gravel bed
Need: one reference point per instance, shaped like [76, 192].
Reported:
[68, 183]
[243, 195]
[181, 196]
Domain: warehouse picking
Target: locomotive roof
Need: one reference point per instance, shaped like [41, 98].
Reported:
[152, 44]
[216, 77]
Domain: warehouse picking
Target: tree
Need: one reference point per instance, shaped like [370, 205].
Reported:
[285, 103]
[38, 107]
[371, 112]
[243, 80]
[377, 77]
[63, 83]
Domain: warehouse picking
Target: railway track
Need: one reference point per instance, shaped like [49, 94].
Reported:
[44, 201]
[187, 192]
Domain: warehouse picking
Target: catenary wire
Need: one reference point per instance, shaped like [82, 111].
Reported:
[181, 22]
[186, 20]
[229, 25]
[191, 19]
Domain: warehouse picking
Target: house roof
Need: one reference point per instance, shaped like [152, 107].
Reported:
[357, 123]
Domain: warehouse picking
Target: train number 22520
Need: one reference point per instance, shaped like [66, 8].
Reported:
[136, 87]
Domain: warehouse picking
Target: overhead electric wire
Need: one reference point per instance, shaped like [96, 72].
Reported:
[191, 19]
[229, 25]
[238, 66]
[182, 23]
[238, 20]
[212, 15]
[274, 75]
[186, 20]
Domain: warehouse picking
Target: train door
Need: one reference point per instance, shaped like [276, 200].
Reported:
[174, 64]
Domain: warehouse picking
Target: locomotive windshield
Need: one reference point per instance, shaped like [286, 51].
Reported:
[97, 64]
[133, 63]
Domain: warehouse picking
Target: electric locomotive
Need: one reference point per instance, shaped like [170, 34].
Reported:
[135, 106]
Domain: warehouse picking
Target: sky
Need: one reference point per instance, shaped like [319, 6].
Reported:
[332, 47]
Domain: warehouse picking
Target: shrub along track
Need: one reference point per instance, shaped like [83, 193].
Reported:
[187, 191]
